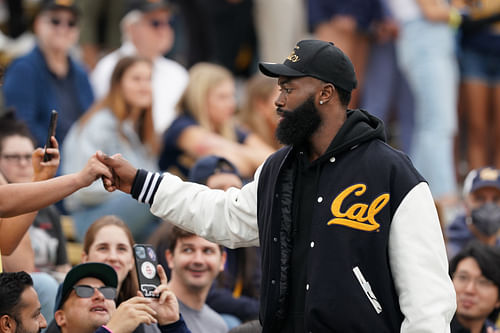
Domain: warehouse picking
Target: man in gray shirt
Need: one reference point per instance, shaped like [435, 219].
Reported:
[195, 263]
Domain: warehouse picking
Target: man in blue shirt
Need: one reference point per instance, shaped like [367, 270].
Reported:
[48, 78]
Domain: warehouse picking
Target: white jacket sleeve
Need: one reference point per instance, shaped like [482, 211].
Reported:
[228, 218]
[419, 265]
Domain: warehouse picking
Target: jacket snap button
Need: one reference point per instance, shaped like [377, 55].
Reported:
[332, 159]
[320, 199]
[273, 281]
[312, 244]
[275, 239]
[307, 286]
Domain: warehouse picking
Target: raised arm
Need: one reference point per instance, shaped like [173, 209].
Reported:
[16, 199]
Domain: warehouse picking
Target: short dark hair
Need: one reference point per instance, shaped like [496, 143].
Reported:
[12, 285]
[488, 260]
[344, 96]
[176, 233]
[10, 126]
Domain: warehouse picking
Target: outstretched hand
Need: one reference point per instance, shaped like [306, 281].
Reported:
[45, 170]
[123, 173]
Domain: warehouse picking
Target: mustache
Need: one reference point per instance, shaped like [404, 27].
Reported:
[284, 113]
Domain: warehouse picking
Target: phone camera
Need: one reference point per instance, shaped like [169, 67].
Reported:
[140, 252]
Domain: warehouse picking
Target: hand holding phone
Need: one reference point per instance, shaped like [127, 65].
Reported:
[145, 265]
[52, 132]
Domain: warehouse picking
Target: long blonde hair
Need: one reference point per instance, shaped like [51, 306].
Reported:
[259, 87]
[203, 77]
[115, 101]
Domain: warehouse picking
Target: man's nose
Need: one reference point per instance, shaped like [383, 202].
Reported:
[280, 100]
[43, 321]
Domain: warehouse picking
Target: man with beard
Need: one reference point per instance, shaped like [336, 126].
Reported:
[476, 277]
[349, 233]
[19, 305]
[481, 219]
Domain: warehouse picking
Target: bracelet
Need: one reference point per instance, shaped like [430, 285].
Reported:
[455, 18]
[107, 328]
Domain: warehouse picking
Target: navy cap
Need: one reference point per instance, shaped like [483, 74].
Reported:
[98, 270]
[209, 165]
[483, 177]
[316, 58]
[59, 4]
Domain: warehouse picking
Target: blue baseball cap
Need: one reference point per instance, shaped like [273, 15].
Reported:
[483, 177]
[209, 165]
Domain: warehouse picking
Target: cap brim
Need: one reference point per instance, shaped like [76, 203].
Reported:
[276, 70]
[484, 183]
[98, 270]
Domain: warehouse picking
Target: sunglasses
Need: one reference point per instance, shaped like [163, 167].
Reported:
[57, 22]
[158, 23]
[84, 291]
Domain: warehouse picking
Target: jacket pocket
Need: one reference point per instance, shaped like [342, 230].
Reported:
[367, 289]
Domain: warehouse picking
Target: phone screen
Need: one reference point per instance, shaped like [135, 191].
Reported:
[145, 265]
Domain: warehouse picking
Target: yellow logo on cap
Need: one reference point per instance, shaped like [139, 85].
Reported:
[489, 174]
[293, 57]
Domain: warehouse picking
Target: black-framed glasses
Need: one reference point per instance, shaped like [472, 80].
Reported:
[16, 158]
[84, 291]
[158, 23]
[57, 22]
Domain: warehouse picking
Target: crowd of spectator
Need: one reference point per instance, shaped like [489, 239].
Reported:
[173, 86]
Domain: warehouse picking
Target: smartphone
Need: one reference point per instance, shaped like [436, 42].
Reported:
[145, 265]
[52, 132]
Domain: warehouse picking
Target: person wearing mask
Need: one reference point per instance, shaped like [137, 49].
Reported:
[481, 219]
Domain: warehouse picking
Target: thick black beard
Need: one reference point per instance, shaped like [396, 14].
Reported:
[298, 125]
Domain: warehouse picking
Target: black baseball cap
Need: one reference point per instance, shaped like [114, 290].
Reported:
[98, 270]
[148, 5]
[316, 58]
[208, 166]
[60, 4]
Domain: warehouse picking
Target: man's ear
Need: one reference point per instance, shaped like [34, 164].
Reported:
[327, 93]
[7, 324]
[60, 318]
[169, 256]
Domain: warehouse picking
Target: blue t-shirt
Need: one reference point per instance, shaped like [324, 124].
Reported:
[174, 159]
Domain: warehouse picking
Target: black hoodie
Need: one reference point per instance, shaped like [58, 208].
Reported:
[324, 224]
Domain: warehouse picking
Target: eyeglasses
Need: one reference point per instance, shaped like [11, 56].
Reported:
[481, 283]
[16, 158]
[158, 23]
[57, 22]
[84, 291]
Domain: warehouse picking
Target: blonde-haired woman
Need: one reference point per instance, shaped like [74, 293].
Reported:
[258, 112]
[121, 123]
[206, 125]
